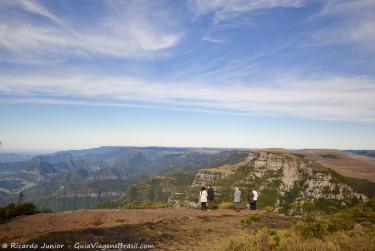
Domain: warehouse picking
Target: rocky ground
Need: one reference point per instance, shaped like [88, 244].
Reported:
[166, 229]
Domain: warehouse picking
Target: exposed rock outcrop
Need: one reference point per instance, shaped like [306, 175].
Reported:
[281, 179]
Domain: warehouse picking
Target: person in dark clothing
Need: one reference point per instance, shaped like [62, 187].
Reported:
[210, 196]
[250, 199]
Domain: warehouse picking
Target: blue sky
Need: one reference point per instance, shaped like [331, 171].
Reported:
[261, 73]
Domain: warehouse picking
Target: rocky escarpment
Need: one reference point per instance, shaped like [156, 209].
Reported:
[283, 181]
[318, 182]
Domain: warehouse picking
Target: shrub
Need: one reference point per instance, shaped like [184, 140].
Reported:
[287, 240]
[14, 210]
[263, 239]
[340, 222]
[308, 206]
[302, 207]
[251, 218]
[339, 231]
[362, 212]
[317, 226]
[311, 227]
[329, 156]
[269, 209]
[226, 205]
[332, 209]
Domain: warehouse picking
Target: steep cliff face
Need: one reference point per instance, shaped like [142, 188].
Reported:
[283, 180]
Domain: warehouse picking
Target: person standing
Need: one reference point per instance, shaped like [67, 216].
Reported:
[237, 199]
[255, 199]
[250, 199]
[203, 198]
[210, 197]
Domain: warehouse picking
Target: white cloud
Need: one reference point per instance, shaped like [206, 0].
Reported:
[349, 99]
[128, 29]
[213, 40]
[32, 7]
[353, 23]
[227, 9]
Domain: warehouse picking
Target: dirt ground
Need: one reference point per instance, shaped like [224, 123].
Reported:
[166, 229]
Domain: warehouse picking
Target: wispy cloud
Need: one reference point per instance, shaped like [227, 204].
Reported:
[333, 98]
[211, 39]
[130, 29]
[215, 81]
[224, 9]
[32, 7]
[234, 13]
[352, 22]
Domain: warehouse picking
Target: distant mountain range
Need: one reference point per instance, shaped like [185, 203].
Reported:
[368, 153]
[77, 179]
[13, 157]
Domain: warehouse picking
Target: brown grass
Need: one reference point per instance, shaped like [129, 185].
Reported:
[26, 228]
[359, 238]
[347, 164]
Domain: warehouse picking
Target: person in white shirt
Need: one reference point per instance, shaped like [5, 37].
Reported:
[203, 198]
[255, 198]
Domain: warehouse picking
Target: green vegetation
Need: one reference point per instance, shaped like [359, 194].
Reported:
[329, 156]
[314, 226]
[359, 185]
[289, 200]
[227, 184]
[269, 209]
[251, 218]
[160, 189]
[320, 226]
[299, 155]
[360, 238]
[14, 210]
[331, 206]
[245, 181]
[348, 229]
